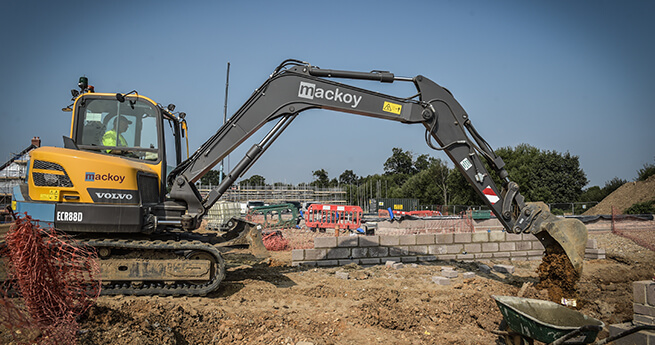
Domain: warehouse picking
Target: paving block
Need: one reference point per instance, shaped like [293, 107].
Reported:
[639, 338]
[347, 241]
[378, 252]
[437, 249]
[359, 252]
[473, 247]
[398, 251]
[389, 263]
[513, 237]
[389, 240]
[484, 268]
[643, 320]
[409, 259]
[465, 257]
[424, 258]
[504, 269]
[501, 255]
[425, 239]
[639, 291]
[348, 262]
[507, 246]
[398, 265]
[447, 257]
[369, 261]
[441, 280]
[490, 247]
[480, 237]
[497, 236]
[650, 293]
[454, 248]
[463, 237]
[417, 250]
[641, 309]
[325, 242]
[369, 241]
[327, 263]
[407, 240]
[315, 254]
[523, 245]
[338, 253]
[449, 273]
[342, 275]
[444, 238]
[483, 255]
[592, 243]
[468, 275]
[298, 255]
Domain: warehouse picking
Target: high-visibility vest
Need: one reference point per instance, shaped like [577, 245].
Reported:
[109, 139]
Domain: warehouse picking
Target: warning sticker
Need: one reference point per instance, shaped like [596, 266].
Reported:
[466, 164]
[392, 108]
[491, 195]
[53, 195]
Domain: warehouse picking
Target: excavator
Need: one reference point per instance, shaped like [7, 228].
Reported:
[119, 182]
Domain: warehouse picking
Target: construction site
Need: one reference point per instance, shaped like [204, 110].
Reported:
[112, 240]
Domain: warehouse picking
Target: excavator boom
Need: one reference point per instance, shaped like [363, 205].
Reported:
[297, 86]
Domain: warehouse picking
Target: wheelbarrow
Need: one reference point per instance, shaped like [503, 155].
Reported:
[526, 320]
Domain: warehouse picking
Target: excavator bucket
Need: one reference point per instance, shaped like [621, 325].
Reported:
[238, 232]
[561, 235]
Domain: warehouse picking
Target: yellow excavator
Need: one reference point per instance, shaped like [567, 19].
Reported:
[120, 183]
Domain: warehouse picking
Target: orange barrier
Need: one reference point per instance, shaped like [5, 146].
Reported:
[319, 216]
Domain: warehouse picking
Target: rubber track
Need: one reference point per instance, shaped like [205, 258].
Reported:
[153, 288]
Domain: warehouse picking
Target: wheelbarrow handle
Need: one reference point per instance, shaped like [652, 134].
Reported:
[625, 334]
[576, 333]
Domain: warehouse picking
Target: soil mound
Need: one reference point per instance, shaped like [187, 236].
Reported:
[625, 196]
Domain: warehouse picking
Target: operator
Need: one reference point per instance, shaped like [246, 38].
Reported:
[121, 124]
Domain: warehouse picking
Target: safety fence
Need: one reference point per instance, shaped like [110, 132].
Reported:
[635, 228]
[341, 217]
[55, 278]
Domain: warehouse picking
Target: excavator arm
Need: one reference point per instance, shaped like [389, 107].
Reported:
[296, 86]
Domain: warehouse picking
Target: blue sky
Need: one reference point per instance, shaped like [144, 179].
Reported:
[572, 76]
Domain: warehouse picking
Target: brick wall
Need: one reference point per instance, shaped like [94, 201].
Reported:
[644, 314]
[372, 250]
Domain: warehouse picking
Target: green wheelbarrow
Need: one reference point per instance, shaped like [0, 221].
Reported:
[526, 320]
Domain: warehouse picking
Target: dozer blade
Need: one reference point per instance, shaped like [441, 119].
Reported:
[561, 235]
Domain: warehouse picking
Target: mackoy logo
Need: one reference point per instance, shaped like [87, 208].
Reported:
[310, 91]
[91, 176]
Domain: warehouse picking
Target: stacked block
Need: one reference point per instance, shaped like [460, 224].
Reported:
[374, 250]
[644, 314]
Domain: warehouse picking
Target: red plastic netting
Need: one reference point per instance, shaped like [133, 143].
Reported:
[54, 278]
[274, 241]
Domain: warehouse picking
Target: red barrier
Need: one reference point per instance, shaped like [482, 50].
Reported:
[319, 216]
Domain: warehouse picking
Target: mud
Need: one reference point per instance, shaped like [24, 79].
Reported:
[558, 277]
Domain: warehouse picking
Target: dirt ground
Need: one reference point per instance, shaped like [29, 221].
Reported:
[268, 301]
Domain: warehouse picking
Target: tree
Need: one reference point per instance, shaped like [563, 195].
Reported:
[321, 179]
[546, 176]
[430, 185]
[348, 177]
[424, 162]
[400, 162]
[211, 177]
[647, 171]
[254, 180]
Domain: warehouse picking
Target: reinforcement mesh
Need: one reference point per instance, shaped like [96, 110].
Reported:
[51, 280]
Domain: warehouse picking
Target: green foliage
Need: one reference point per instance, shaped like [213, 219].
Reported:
[546, 176]
[641, 208]
[211, 177]
[254, 180]
[400, 162]
[321, 179]
[647, 171]
[596, 193]
[348, 177]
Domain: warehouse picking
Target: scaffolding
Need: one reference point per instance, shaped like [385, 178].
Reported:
[276, 194]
